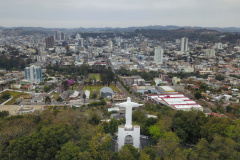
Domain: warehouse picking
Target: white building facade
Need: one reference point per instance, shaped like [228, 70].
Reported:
[184, 44]
[110, 45]
[158, 55]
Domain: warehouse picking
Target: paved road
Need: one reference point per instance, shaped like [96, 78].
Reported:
[119, 85]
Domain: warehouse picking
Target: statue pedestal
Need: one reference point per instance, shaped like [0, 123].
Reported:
[128, 136]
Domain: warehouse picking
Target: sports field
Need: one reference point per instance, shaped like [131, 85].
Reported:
[95, 75]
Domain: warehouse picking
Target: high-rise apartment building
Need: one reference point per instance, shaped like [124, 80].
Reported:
[62, 36]
[49, 42]
[80, 42]
[110, 44]
[56, 36]
[158, 55]
[184, 44]
[33, 73]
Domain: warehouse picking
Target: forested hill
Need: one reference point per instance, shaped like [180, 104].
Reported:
[79, 133]
[202, 35]
[194, 34]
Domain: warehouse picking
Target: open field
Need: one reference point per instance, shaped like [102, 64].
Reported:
[97, 88]
[16, 95]
[95, 75]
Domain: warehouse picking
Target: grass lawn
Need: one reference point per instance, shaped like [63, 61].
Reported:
[55, 95]
[97, 88]
[95, 75]
[16, 95]
[74, 87]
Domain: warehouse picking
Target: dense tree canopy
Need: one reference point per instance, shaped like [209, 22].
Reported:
[40, 145]
[107, 76]
[198, 95]
[187, 125]
[13, 63]
[78, 134]
[148, 76]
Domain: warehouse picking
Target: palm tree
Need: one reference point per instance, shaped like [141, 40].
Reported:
[84, 97]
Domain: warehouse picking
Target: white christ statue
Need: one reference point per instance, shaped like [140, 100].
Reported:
[128, 111]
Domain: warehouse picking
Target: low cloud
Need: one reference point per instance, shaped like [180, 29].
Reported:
[121, 13]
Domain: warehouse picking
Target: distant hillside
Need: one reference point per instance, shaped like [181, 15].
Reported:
[127, 29]
[168, 33]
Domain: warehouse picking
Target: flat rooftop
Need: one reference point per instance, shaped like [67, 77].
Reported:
[167, 88]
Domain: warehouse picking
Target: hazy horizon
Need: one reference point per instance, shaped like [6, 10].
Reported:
[118, 27]
[121, 13]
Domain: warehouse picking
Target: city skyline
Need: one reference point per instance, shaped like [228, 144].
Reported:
[122, 13]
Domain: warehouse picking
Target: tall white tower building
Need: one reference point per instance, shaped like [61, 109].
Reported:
[33, 73]
[110, 44]
[158, 55]
[184, 44]
[128, 133]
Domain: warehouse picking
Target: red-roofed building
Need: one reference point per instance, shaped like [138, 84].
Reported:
[215, 115]
[175, 101]
[100, 63]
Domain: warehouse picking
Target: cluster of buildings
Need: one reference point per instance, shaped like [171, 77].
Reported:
[216, 65]
[205, 61]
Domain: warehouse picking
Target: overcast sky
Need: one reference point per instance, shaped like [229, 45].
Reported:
[119, 13]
